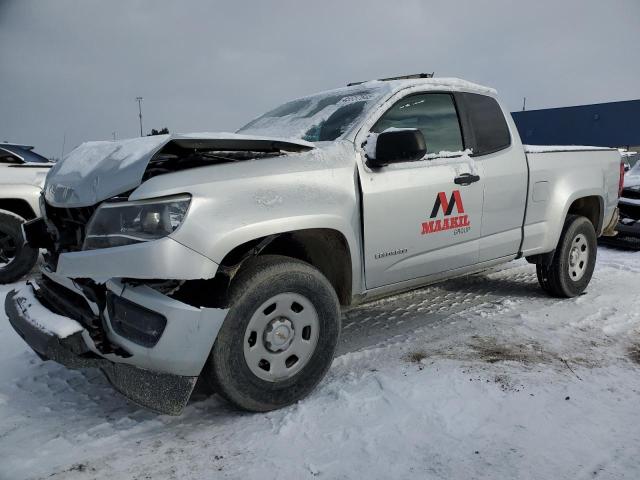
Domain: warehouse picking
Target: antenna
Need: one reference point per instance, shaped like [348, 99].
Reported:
[524, 104]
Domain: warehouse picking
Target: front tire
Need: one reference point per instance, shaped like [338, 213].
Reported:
[16, 258]
[572, 265]
[279, 337]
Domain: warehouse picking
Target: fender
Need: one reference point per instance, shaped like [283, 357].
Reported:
[278, 226]
[547, 232]
[232, 204]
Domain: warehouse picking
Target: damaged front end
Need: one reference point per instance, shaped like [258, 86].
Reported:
[117, 291]
[150, 346]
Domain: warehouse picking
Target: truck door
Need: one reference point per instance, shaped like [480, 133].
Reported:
[424, 217]
[502, 160]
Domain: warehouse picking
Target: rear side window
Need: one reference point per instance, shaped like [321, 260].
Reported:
[487, 124]
[8, 157]
[434, 114]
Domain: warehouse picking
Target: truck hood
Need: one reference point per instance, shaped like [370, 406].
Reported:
[95, 171]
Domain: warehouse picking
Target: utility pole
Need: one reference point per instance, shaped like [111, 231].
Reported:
[64, 140]
[139, 100]
[114, 136]
[524, 104]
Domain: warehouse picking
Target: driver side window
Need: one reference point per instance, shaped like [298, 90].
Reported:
[434, 114]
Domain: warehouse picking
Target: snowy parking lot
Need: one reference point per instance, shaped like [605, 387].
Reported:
[478, 377]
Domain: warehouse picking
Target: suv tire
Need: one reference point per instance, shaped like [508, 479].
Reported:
[279, 337]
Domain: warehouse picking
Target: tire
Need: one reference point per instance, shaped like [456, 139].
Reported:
[16, 258]
[572, 265]
[278, 306]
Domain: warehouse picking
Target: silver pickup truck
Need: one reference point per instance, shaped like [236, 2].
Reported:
[228, 257]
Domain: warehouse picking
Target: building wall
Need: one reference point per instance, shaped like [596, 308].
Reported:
[615, 124]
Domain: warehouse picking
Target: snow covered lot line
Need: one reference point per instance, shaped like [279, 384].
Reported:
[479, 377]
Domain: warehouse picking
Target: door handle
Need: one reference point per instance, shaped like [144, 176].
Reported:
[466, 179]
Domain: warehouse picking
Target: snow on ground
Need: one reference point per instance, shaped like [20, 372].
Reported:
[480, 377]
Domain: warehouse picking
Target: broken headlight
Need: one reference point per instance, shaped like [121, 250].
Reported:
[126, 223]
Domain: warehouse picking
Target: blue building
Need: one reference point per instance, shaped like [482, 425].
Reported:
[614, 124]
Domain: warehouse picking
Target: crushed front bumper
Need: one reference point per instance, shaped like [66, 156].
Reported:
[160, 377]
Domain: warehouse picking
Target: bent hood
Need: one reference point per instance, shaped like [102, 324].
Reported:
[95, 171]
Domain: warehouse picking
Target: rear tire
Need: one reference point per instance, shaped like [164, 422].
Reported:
[278, 339]
[16, 258]
[572, 265]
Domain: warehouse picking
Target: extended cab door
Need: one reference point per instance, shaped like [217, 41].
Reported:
[423, 217]
[501, 158]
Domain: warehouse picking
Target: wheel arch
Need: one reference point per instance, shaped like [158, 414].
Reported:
[588, 203]
[326, 249]
[591, 207]
[18, 206]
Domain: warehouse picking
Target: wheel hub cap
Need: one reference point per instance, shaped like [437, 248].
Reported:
[281, 337]
[573, 256]
[278, 335]
[578, 257]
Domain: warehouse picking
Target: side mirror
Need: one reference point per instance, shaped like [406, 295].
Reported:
[397, 145]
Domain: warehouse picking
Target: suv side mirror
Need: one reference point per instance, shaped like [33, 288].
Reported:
[395, 145]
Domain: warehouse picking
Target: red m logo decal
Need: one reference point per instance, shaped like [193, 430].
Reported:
[447, 205]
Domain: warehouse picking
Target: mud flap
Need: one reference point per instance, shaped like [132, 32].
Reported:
[162, 392]
[610, 229]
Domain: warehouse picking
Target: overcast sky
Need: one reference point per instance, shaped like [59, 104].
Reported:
[73, 68]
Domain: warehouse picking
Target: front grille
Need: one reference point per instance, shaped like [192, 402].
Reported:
[68, 227]
[631, 193]
[71, 225]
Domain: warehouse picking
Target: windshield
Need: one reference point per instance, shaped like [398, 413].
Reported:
[317, 118]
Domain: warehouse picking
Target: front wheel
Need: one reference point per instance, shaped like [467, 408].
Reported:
[572, 265]
[279, 337]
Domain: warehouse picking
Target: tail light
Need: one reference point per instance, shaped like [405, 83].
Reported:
[621, 184]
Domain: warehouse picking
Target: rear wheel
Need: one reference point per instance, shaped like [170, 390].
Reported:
[572, 265]
[16, 258]
[279, 337]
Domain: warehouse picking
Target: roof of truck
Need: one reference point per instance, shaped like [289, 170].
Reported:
[435, 83]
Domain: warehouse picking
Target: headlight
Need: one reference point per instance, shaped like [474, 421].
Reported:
[126, 223]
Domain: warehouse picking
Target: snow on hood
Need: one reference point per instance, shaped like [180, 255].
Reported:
[95, 171]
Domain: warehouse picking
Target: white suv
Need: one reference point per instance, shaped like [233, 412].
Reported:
[22, 173]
